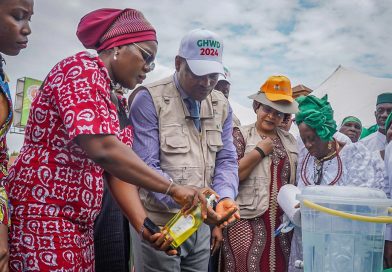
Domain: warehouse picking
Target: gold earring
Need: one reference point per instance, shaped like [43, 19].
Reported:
[329, 145]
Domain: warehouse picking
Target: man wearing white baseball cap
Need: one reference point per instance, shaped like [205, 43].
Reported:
[224, 83]
[224, 86]
[202, 50]
[183, 130]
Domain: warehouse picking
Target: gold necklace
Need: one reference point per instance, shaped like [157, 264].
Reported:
[262, 135]
[328, 156]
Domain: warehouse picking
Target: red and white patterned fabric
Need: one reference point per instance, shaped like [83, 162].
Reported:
[55, 190]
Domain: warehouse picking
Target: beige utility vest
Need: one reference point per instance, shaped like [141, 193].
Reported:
[236, 121]
[254, 192]
[186, 155]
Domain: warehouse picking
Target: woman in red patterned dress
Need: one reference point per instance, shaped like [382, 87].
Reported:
[72, 137]
[267, 158]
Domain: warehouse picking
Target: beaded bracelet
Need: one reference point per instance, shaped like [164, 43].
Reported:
[261, 152]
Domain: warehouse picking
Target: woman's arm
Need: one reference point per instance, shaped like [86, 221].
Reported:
[127, 197]
[4, 220]
[4, 252]
[119, 160]
[252, 158]
[247, 164]
[4, 109]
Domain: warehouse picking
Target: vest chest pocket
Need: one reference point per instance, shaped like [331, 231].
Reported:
[247, 197]
[214, 140]
[178, 143]
[252, 192]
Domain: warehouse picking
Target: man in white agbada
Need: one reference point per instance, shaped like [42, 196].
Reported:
[377, 141]
[326, 161]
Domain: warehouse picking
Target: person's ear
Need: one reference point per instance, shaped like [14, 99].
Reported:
[177, 63]
[116, 52]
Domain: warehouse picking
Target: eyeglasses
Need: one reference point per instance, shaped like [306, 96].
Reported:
[270, 111]
[148, 57]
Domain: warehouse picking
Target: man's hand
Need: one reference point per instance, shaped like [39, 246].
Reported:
[228, 211]
[216, 240]
[207, 213]
[211, 217]
[188, 197]
[4, 252]
[160, 241]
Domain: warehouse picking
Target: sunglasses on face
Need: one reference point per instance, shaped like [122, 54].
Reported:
[270, 111]
[147, 57]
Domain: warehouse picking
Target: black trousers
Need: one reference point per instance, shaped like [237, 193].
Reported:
[111, 237]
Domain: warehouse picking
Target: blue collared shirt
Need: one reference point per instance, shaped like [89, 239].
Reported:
[144, 120]
[188, 101]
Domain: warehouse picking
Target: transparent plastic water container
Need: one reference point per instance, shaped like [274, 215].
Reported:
[334, 240]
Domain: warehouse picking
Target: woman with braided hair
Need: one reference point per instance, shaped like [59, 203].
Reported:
[326, 161]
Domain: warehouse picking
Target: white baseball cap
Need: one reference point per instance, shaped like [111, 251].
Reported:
[226, 76]
[202, 50]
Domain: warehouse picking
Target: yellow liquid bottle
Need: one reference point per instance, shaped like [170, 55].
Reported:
[181, 227]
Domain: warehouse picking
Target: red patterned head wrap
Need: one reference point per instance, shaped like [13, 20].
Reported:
[106, 28]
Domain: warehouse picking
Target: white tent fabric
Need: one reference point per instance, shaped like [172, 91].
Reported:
[353, 93]
[246, 115]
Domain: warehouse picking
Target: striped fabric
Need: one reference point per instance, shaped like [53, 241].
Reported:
[106, 28]
[130, 21]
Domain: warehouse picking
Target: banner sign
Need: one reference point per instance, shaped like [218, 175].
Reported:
[26, 90]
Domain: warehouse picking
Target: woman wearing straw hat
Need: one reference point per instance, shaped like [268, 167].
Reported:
[72, 137]
[267, 157]
[326, 161]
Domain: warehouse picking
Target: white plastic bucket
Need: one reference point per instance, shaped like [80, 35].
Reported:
[335, 236]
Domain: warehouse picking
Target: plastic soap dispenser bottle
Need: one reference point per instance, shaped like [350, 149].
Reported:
[181, 226]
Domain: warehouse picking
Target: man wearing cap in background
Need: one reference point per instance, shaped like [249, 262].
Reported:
[377, 141]
[224, 85]
[351, 127]
[183, 130]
